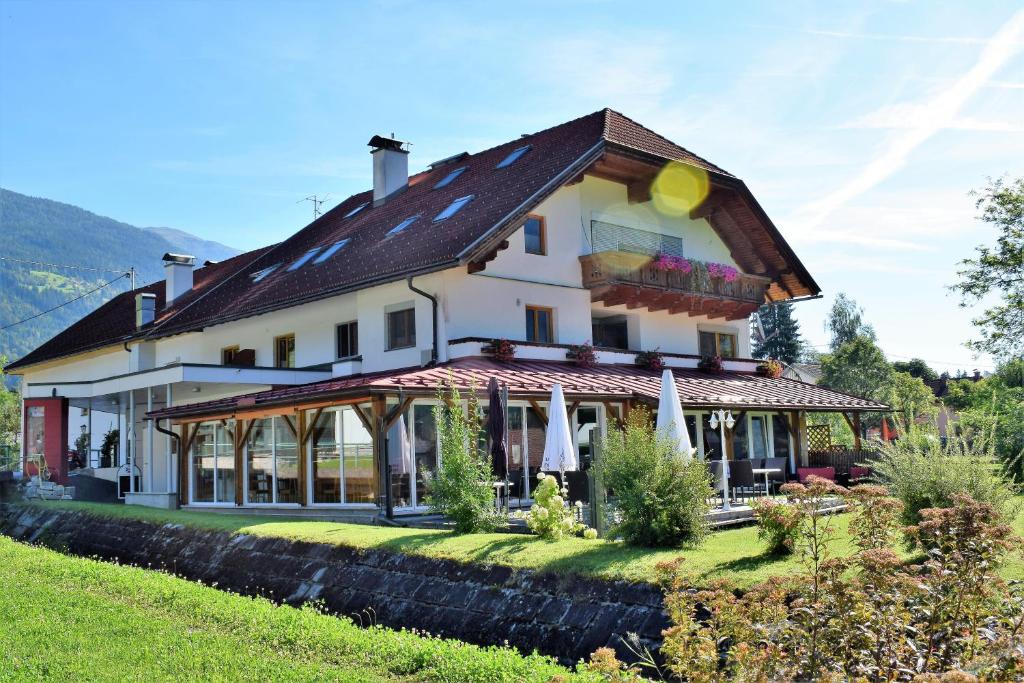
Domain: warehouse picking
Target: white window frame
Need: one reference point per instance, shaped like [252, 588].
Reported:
[339, 435]
[216, 470]
[274, 419]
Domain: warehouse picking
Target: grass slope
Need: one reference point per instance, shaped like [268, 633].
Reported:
[72, 619]
[735, 554]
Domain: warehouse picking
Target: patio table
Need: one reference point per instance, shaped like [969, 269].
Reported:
[499, 495]
[765, 471]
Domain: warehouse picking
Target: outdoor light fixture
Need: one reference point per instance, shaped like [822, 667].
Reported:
[723, 418]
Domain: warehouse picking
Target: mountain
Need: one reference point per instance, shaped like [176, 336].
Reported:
[53, 235]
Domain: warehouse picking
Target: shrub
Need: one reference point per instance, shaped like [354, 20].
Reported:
[923, 471]
[862, 617]
[551, 518]
[778, 524]
[660, 500]
[770, 368]
[503, 349]
[651, 360]
[462, 490]
[583, 354]
[711, 365]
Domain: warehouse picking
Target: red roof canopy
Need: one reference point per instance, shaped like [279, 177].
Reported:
[534, 379]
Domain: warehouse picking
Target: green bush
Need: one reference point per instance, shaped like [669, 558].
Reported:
[923, 471]
[462, 490]
[778, 524]
[551, 518]
[659, 500]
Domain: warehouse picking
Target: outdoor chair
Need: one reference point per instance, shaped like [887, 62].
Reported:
[741, 477]
[776, 479]
[824, 472]
[715, 467]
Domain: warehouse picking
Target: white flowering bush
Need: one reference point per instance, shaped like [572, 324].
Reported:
[551, 518]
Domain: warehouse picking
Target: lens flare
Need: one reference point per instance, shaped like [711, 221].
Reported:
[679, 188]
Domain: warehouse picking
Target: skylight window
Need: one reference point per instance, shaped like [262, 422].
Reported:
[402, 226]
[356, 210]
[448, 179]
[304, 259]
[453, 208]
[514, 156]
[330, 251]
[261, 275]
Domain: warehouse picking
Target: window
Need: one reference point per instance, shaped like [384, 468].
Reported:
[331, 251]
[342, 458]
[535, 232]
[228, 355]
[213, 463]
[513, 157]
[260, 275]
[272, 461]
[356, 210]
[448, 179]
[304, 259]
[402, 226]
[347, 335]
[539, 324]
[717, 344]
[611, 332]
[401, 328]
[284, 351]
[453, 208]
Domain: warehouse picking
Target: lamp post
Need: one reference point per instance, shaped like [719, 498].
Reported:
[723, 418]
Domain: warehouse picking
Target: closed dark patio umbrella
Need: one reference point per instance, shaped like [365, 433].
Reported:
[496, 429]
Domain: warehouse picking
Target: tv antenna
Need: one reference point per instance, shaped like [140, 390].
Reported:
[317, 202]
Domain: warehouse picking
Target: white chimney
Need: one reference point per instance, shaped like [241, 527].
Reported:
[178, 276]
[390, 166]
[145, 309]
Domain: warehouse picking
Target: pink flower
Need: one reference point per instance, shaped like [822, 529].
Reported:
[715, 269]
[729, 273]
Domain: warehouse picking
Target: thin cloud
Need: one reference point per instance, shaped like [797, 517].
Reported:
[902, 38]
[937, 113]
[908, 116]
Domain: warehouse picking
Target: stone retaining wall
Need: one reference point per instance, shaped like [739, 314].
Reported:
[567, 617]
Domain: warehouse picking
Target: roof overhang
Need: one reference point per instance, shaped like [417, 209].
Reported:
[754, 241]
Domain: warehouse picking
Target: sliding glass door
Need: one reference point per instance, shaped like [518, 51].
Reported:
[212, 478]
[272, 462]
[341, 459]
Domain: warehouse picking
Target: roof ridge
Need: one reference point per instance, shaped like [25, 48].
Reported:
[609, 111]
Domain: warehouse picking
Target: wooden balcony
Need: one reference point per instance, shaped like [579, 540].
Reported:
[617, 277]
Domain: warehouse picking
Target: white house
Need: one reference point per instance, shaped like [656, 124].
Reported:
[279, 377]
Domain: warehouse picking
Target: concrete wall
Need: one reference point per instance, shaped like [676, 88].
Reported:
[565, 616]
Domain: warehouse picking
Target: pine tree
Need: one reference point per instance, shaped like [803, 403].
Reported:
[781, 334]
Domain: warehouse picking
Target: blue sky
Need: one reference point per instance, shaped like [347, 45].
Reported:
[861, 127]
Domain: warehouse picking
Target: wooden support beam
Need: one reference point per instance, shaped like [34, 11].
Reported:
[856, 430]
[397, 412]
[291, 426]
[849, 422]
[572, 408]
[538, 411]
[312, 424]
[303, 435]
[638, 192]
[378, 409]
[363, 417]
[183, 466]
[612, 412]
[241, 434]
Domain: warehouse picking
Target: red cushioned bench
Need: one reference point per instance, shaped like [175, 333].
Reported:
[823, 472]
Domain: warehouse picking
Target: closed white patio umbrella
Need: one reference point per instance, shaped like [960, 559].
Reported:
[559, 451]
[671, 424]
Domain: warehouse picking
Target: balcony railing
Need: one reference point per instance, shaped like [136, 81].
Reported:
[617, 277]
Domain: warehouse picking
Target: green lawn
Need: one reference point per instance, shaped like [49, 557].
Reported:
[733, 553]
[74, 619]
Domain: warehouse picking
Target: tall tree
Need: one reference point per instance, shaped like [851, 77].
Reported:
[915, 367]
[998, 271]
[781, 334]
[10, 412]
[846, 322]
[857, 367]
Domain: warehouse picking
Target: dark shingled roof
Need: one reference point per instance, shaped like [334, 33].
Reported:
[697, 389]
[503, 196]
